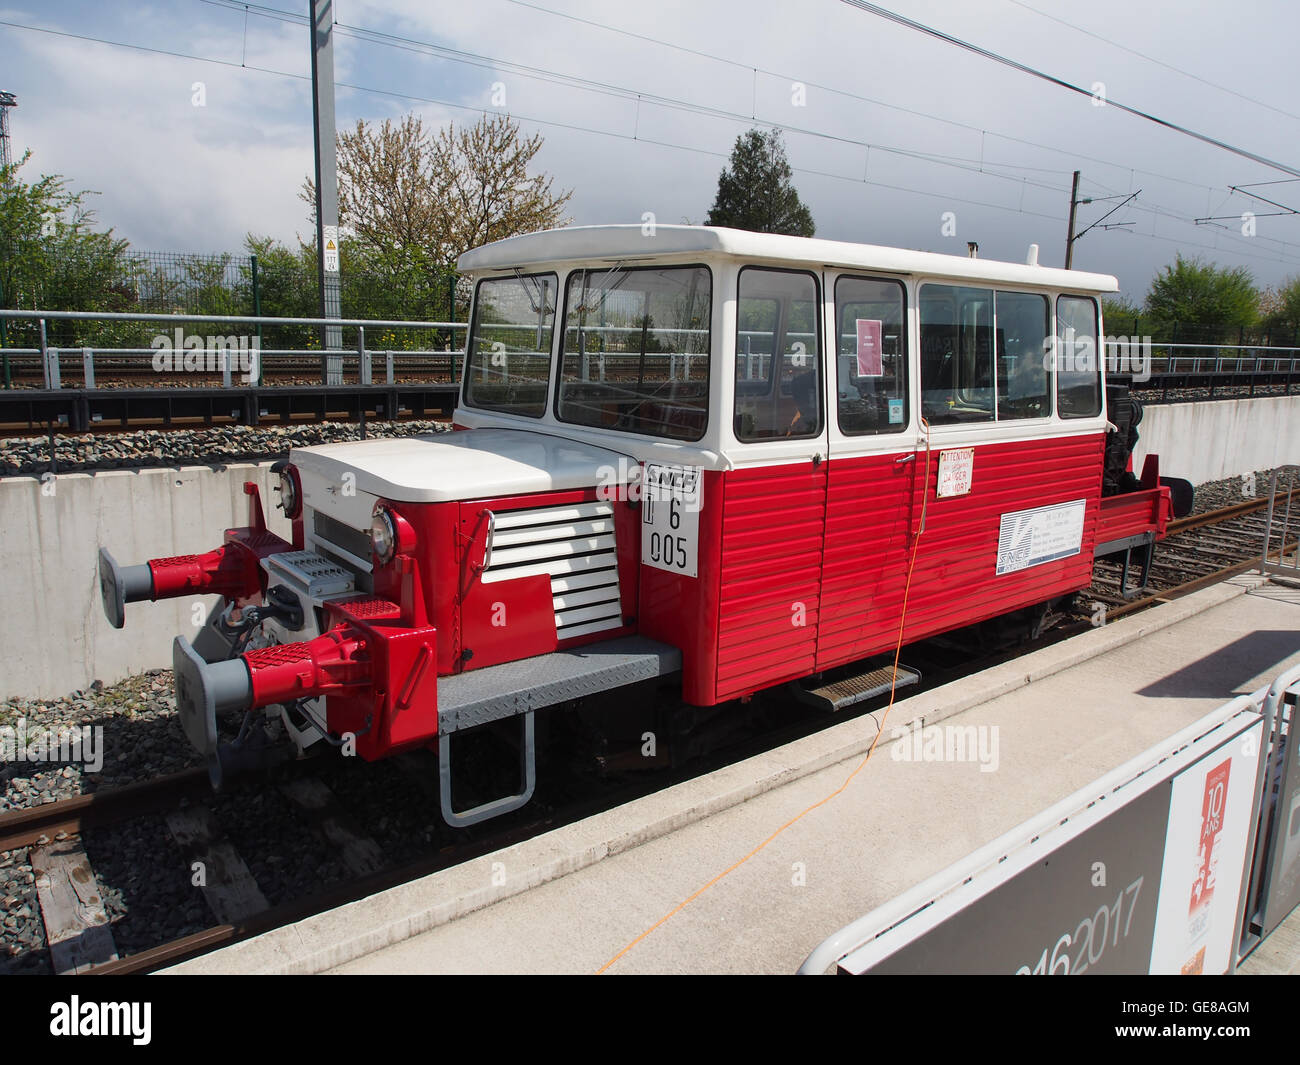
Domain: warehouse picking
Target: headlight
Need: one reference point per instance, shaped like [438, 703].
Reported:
[290, 491]
[383, 535]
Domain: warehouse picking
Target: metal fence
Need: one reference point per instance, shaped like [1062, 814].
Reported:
[1211, 358]
[1279, 557]
[441, 343]
[280, 284]
[1183, 334]
[233, 355]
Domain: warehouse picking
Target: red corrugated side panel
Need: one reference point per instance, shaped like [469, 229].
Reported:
[773, 527]
[683, 611]
[1134, 513]
[802, 567]
[955, 580]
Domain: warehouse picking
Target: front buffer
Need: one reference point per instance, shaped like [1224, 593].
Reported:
[232, 570]
[375, 666]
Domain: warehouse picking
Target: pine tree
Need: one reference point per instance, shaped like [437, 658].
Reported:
[754, 190]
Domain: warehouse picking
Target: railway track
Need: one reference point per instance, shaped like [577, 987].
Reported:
[77, 928]
[1200, 550]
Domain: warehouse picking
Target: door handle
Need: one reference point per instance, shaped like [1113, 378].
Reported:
[905, 459]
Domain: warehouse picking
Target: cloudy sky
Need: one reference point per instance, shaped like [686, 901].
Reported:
[640, 103]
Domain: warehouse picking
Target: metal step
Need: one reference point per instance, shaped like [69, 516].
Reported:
[856, 688]
[466, 700]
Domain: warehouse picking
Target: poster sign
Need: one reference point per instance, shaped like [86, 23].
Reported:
[1204, 853]
[870, 361]
[956, 468]
[1045, 910]
[1031, 537]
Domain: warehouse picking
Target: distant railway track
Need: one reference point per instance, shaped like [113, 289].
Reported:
[111, 373]
[37, 412]
[1198, 551]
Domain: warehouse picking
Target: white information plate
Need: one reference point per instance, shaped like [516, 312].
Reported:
[671, 499]
[955, 470]
[1031, 537]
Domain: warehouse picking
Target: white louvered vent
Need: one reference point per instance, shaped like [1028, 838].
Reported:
[574, 544]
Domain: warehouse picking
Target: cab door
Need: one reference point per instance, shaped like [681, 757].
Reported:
[874, 470]
[774, 493]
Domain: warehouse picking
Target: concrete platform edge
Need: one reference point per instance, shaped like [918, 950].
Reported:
[330, 939]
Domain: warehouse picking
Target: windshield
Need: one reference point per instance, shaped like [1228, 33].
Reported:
[636, 350]
[509, 362]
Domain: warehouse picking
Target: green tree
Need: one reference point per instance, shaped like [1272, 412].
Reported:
[53, 258]
[1205, 301]
[1120, 314]
[372, 284]
[1279, 309]
[755, 191]
[417, 200]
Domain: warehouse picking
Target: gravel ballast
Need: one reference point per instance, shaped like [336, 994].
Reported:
[29, 456]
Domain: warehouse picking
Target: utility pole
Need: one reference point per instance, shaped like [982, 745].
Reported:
[327, 189]
[7, 100]
[1069, 235]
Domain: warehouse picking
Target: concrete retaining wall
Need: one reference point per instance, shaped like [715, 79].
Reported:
[55, 637]
[1218, 438]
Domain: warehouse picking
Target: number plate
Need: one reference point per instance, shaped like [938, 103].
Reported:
[671, 499]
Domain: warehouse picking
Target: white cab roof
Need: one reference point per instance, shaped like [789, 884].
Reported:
[480, 464]
[632, 242]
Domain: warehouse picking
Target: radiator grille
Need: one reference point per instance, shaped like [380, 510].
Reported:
[333, 531]
[574, 545]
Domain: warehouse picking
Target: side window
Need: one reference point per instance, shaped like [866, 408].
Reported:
[509, 362]
[956, 354]
[871, 356]
[1078, 363]
[778, 355]
[1022, 322]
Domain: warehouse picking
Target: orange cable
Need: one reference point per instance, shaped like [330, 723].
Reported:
[893, 688]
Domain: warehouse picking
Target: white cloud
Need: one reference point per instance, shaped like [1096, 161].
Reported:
[178, 177]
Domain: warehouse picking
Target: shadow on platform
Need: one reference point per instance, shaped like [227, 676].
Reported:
[1227, 670]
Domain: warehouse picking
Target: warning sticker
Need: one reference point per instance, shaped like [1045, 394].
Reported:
[331, 249]
[1031, 537]
[956, 469]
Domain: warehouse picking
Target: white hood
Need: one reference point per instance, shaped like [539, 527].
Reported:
[473, 464]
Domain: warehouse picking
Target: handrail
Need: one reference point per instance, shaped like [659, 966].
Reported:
[242, 319]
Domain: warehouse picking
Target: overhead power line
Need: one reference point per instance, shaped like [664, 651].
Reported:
[405, 43]
[578, 127]
[948, 38]
[1157, 62]
[822, 87]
